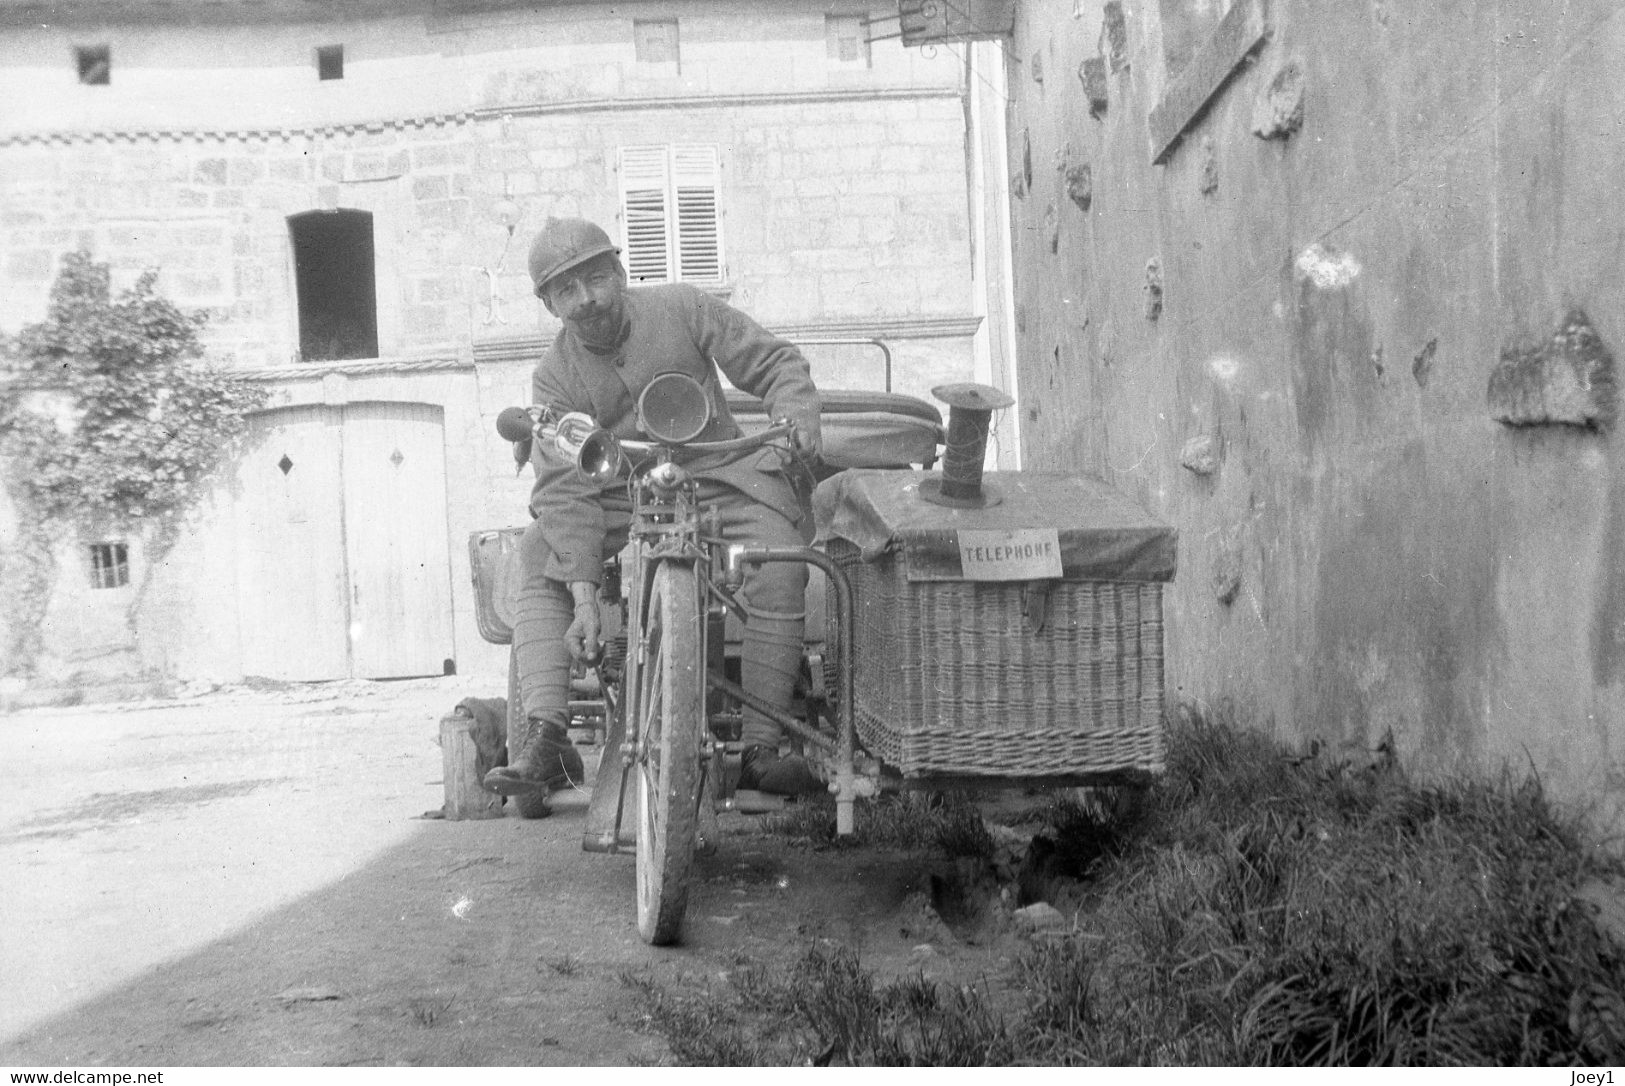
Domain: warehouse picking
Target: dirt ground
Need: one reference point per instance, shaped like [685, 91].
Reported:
[245, 878]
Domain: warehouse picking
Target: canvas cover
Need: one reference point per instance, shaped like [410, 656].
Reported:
[861, 429]
[1102, 535]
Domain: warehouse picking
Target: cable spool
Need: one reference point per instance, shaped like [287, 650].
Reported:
[970, 411]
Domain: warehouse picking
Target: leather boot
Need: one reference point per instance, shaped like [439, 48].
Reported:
[761, 769]
[546, 762]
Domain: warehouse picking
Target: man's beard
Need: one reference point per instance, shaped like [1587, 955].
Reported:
[600, 328]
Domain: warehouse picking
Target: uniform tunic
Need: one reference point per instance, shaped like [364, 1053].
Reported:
[675, 327]
[578, 524]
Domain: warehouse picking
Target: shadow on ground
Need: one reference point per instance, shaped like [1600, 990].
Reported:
[491, 942]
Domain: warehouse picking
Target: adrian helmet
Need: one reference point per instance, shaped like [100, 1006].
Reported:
[564, 243]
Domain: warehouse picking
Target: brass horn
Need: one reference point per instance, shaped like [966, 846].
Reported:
[595, 451]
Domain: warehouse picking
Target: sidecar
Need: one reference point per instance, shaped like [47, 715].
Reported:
[861, 429]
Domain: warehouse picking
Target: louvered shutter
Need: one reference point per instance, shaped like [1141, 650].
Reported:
[699, 241]
[645, 179]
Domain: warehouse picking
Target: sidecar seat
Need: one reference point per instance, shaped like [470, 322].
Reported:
[861, 429]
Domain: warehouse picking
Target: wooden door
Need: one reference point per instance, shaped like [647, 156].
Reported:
[343, 563]
[291, 580]
[395, 540]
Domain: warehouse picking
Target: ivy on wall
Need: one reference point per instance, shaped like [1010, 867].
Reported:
[110, 421]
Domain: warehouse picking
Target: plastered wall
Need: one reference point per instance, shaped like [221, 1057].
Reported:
[1329, 337]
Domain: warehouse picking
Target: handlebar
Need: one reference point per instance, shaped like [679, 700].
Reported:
[580, 439]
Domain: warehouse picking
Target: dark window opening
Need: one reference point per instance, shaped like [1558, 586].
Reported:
[338, 307]
[95, 63]
[109, 565]
[654, 41]
[330, 62]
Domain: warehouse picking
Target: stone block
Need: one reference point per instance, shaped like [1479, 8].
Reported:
[245, 171]
[370, 167]
[821, 209]
[871, 205]
[1278, 111]
[850, 232]
[1199, 455]
[430, 188]
[210, 171]
[444, 214]
[1568, 381]
[1208, 178]
[845, 296]
[819, 186]
[817, 137]
[943, 289]
[202, 235]
[1080, 188]
[1114, 36]
[904, 160]
[827, 260]
[850, 160]
[1152, 289]
[30, 264]
[1422, 362]
[425, 320]
[437, 290]
[431, 156]
[813, 163]
[1096, 90]
[1227, 566]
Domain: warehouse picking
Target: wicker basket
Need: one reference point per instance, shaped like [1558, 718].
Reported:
[952, 680]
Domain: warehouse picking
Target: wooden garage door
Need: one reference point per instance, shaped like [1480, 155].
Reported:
[343, 567]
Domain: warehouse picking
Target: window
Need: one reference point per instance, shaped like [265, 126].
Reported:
[845, 40]
[330, 62]
[670, 208]
[655, 41]
[334, 270]
[109, 565]
[95, 64]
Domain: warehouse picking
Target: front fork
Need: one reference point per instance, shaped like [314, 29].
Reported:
[848, 784]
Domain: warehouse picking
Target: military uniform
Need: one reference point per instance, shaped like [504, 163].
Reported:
[578, 523]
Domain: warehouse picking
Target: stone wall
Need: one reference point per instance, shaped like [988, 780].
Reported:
[1339, 299]
[843, 195]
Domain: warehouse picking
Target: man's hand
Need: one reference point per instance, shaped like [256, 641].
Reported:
[582, 636]
[805, 440]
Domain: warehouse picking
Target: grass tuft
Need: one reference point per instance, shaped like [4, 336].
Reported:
[1259, 907]
[898, 820]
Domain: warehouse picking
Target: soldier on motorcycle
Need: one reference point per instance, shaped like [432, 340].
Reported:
[615, 339]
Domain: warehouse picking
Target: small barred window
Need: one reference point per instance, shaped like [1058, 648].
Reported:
[109, 565]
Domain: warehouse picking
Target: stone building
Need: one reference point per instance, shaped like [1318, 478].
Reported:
[1335, 288]
[349, 190]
